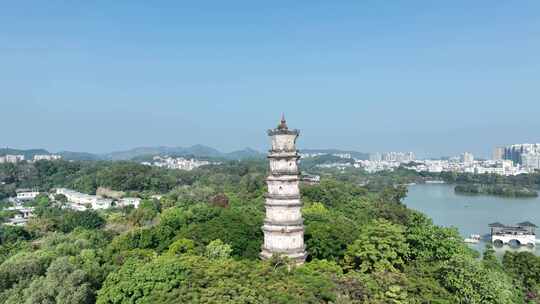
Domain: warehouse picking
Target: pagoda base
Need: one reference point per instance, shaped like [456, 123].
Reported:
[298, 257]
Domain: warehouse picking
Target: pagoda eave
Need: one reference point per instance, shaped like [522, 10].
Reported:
[273, 132]
[282, 196]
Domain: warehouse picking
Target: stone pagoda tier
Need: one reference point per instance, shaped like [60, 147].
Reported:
[283, 226]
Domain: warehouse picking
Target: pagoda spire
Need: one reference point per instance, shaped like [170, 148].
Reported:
[283, 124]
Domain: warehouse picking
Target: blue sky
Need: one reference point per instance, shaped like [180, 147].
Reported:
[433, 77]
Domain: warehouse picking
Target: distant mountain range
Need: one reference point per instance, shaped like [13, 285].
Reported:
[195, 151]
[200, 151]
[68, 155]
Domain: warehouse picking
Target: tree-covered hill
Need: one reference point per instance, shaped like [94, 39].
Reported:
[200, 243]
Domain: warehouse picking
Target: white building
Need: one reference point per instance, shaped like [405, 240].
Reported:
[489, 170]
[102, 203]
[343, 155]
[83, 201]
[531, 160]
[311, 155]
[310, 179]
[26, 194]
[340, 166]
[129, 201]
[49, 157]
[178, 163]
[13, 159]
[502, 167]
[401, 157]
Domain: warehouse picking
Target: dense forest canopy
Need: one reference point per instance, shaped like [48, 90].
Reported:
[199, 243]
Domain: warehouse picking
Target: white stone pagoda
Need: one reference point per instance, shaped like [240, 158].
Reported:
[283, 226]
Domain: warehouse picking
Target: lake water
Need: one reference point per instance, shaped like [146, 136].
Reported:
[471, 214]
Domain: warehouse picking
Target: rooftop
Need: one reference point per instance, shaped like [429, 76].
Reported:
[525, 224]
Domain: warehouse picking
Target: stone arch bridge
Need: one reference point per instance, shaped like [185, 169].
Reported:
[519, 234]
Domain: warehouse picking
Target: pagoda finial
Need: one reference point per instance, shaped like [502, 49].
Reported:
[283, 124]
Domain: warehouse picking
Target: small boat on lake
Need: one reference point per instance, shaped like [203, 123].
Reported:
[473, 239]
[435, 182]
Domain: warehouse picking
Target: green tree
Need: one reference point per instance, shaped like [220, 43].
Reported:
[327, 233]
[489, 259]
[88, 219]
[60, 198]
[524, 267]
[470, 282]
[432, 243]
[218, 250]
[12, 234]
[238, 227]
[147, 211]
[381, 246]
[182, 246]
[22, 267]
[63, 284]
[196, 279]
[378, 288]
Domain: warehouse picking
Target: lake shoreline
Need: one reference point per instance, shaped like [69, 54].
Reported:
[471, 214]
[507, 191]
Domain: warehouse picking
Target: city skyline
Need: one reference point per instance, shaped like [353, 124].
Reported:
[432, 79]
[307, 151]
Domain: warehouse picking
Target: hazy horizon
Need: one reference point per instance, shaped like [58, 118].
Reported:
[262, 150]
[436, 79]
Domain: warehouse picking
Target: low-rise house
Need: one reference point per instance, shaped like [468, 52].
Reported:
[13, 159]
[49, 157]
[102, 203]
[26, 194]
[129, 201]
[17, 220]
[78, 207]
[21, 217]
[311, 179]
[81, 201]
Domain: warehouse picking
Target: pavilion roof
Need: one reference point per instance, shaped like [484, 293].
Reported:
[527, 224]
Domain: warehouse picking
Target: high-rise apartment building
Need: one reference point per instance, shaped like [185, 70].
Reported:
[498, 153]
[530, 160]
[402, 157]
[515, 152]
[467, 157]
[376, 157]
